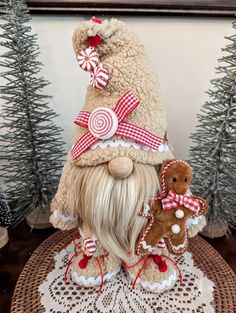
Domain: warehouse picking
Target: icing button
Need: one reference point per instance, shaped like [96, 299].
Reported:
[179, 213]
[175, 228]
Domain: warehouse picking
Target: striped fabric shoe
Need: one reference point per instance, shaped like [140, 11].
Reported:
[93, 266]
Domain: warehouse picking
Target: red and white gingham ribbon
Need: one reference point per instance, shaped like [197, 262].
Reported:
[174, 200]
[123, 108]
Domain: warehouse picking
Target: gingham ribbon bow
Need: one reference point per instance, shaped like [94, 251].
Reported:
[104, 122]
[174, 200]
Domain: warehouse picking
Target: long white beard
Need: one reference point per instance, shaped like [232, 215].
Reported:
[110, 207]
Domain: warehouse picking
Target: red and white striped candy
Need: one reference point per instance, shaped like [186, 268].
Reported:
[99, 77]
[89, 246]
[88, 59]
[103, 123]
[161, 244]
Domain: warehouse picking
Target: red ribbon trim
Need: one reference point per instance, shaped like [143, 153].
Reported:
[126, 104]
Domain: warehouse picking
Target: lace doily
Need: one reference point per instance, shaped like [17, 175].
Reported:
[195, 295]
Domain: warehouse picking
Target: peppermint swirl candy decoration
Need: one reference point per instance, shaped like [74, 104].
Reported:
[99, 77]
[88, 59]
[103, 123]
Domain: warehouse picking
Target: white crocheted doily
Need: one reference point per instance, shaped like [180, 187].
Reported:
[195, 295]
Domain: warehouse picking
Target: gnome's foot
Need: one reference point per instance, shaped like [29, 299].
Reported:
[93, 271]
[154, 273]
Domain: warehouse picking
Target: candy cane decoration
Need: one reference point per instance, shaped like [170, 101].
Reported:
[99, 77]
[88, 59]
[89, 246]
[161, 244]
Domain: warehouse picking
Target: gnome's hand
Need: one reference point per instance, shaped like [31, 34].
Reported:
[195, 225]
[60, 217]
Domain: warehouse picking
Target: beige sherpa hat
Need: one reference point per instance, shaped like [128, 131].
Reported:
[126, 80]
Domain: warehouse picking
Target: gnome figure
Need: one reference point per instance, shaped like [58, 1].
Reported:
[112, 168]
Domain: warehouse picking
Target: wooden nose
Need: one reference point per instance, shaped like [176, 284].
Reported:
[120, 167]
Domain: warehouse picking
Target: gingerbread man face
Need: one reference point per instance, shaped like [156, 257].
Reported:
[169, 212]
[176, 176]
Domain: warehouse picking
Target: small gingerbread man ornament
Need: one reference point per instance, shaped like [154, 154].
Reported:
[169, 212]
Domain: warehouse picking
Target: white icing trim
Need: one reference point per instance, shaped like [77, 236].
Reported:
[179, 246]
[182, 245]
[193, 221]
[127, 144]
[91, 280]
[165, 283]
[147, 246]
[63, 217]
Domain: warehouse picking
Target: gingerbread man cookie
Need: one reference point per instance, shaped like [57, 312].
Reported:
[169, 212]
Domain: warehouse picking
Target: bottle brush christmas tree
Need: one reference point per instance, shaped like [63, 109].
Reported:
[31, 148]
[213, 153]
[5, 219]
[5, 211]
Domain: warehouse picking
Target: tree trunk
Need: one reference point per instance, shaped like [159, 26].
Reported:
[215, 230]
[39, 218]
[3, 237]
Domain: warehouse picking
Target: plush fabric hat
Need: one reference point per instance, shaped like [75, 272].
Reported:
[123, 114]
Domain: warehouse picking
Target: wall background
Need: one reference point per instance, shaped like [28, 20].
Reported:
[183, 51]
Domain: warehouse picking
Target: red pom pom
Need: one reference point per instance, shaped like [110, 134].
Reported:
[157, 259]
[84, 262]
[162, 266]
[96, 20]
[94, 41]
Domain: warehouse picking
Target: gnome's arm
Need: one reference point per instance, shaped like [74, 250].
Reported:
[60, 217]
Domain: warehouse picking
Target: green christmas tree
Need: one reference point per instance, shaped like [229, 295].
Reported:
[31, 148]
[213, 153]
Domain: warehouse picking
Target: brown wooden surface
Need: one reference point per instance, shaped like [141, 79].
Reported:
[166, 7]
[14, 256]
[23, 242]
